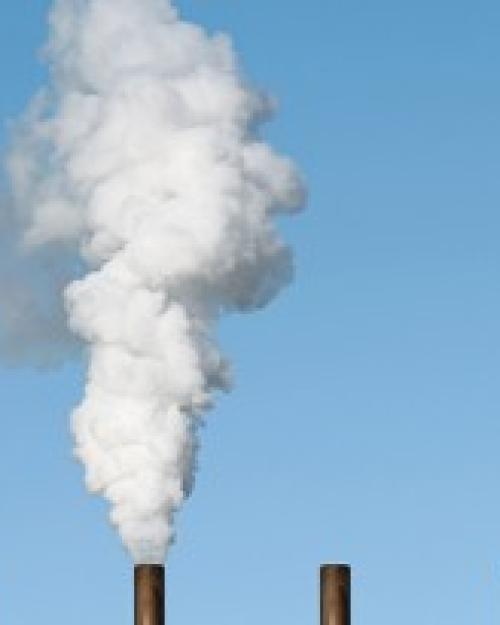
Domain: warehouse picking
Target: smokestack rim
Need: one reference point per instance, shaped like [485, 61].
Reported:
[335, 567]
[153, 567]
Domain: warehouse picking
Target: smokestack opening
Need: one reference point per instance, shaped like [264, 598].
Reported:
[149, 594]
[335, 594]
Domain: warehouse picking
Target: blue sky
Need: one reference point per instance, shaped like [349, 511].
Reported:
[364, 426]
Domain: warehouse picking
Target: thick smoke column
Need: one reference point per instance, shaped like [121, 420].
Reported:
[143, 155]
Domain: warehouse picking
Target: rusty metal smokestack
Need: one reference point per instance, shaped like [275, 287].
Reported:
[335, 591]
[149, 594]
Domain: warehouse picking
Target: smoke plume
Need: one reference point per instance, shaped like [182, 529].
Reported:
[143, 157]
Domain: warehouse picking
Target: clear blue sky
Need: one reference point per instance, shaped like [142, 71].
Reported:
[365, 422]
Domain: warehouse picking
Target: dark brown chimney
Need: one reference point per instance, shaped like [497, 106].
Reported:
[149, 594]
[335, 591]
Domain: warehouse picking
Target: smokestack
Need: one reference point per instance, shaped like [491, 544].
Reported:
[149, 594]
[335, 591]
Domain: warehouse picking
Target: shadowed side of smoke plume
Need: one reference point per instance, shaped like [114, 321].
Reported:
[33, 325]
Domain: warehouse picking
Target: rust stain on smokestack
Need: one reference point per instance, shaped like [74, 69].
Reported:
[149, 594]
[335, 590]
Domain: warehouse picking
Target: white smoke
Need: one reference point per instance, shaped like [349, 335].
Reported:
[143, 154]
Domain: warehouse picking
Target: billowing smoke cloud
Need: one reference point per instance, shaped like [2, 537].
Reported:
[143, 156]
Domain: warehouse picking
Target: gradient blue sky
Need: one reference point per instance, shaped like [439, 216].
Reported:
[365, 422]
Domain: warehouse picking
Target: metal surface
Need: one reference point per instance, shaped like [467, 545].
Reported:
[149, 594]
[335, 591]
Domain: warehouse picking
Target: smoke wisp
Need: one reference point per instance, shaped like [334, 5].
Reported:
[142, 155]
